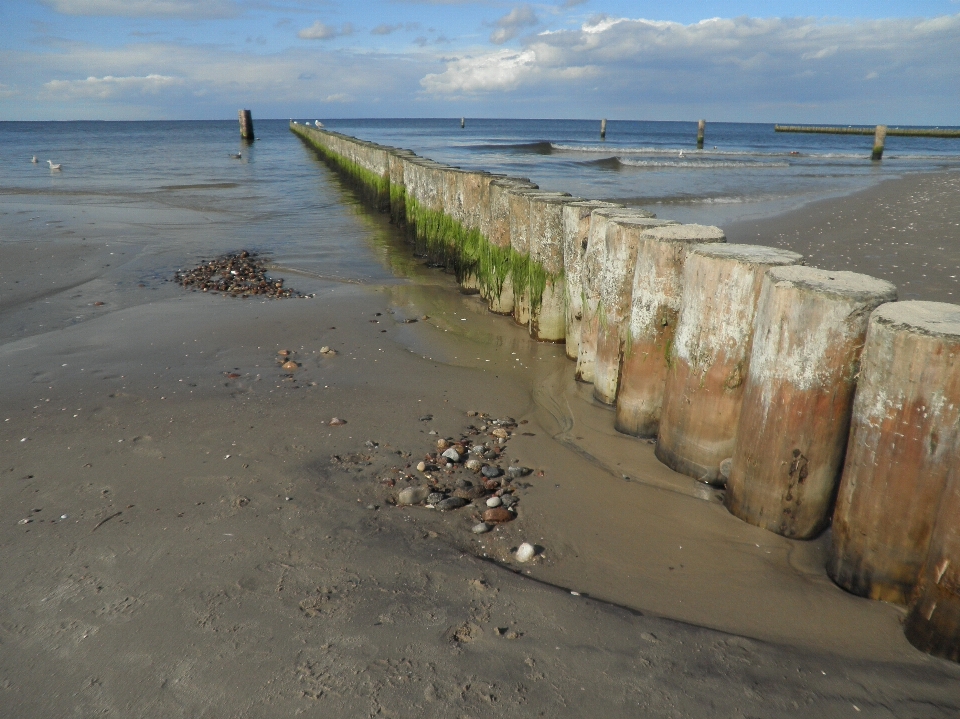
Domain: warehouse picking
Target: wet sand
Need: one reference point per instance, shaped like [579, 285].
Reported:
[214, 561]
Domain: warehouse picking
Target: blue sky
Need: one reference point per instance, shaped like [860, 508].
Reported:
[883, 61]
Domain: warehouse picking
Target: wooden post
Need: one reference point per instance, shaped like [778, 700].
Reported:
[576, 234]
[613, 308]
[603, 128]
[933, 624]
[798, 396]
[463, 122]
[701, 126]
[500, 296]
[591, 279]
[903, 442]
[246, 125]
[548, 312]
[654, 310]
[710, 355]
[879, 137]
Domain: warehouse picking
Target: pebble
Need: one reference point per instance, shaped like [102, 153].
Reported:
[426, 418]
[474, 465]
[501, 433]
[516, 471]
[494, 502]
[472, 413]
[496, 515]
[492, 484]
[452, 454]
[421, 466]
[435, 497]
[289, 365]
[509, 500]
[463, 483]
[324, 350]
[491, 472]
[284, 353]
[442, 443]
[336, 422]
[242, 274]
[412, 495]
[481, 528]
[525, 552]
[725, 467]
[451, 503]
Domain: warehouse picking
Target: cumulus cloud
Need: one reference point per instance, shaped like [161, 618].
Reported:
[146, 8]
[319, 31]
[109, 87]
[384, 29]
[772, 60]
[512, 23]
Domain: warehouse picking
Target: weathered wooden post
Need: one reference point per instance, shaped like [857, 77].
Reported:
[654, 310]
[701, 127]
[246, 125]
[613, 307]
[903, 443]
[933, 624]
[496, 262]
[879, 137]
[603, 128]
[547, 281]
[795, 417]
[591, 278]
[576, 234]
[710, 355]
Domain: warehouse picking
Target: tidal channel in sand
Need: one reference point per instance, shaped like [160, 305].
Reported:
[239, 571]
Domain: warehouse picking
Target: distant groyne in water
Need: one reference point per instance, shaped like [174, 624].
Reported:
[791, 386]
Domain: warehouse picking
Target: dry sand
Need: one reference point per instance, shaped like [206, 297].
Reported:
[193, 551]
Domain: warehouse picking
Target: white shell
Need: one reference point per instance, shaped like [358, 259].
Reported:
[525, 552]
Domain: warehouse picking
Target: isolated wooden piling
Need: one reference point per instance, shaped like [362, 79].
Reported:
[710, 355]
[654, 310]
[795, 416]
[933, 624]
[591, 279]
[701, 127]
[603, 128]
[903, 444]
[463, 122]
[520, 232]
[499, 295]
[548, 321]
[576, 234]
[879, 138]
[246, 124]
[622, 241]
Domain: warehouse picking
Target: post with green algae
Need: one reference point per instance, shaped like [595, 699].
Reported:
[879, 137]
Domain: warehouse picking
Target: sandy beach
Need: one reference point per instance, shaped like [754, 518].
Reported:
[185, 534]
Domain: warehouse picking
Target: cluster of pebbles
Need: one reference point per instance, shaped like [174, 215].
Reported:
[238, 275]
[468, 472]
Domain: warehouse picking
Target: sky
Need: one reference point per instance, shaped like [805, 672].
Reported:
[885, 61]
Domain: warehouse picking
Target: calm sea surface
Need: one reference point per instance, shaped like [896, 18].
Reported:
[171, 190]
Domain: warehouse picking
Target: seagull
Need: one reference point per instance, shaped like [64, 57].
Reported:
[236, 157]
[54, 167]
[318, 123]
[681, 153]
[34, 160]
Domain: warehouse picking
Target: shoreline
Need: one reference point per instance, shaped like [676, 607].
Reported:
[212, 593]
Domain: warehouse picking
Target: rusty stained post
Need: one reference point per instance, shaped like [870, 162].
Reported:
[903, 442]
[710, 355]
[879, 137]
[246, 125]
[798, 396]
[616, 287]
[701, 127]
[654, 310]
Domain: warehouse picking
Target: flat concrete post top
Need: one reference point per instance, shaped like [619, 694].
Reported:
[795, 418]
[748, 254]
[606, 212]
[904, 442]
[675, 232]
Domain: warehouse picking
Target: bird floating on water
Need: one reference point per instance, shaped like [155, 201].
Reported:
[54, 167]
[237, 156]
[34, 160]
[681, 154]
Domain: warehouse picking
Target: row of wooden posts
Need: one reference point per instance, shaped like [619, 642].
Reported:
[812, 395]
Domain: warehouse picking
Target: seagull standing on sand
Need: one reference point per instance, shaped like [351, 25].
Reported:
[54, 167]
[34, 160]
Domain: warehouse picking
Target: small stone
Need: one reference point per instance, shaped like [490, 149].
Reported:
[494, 502]
[452, 455]
[471, 413]
[525, 552]
[284, 353]
[490, 471]
[336, 422]
[492, 484]
[469, 493]
[421, 466]
[442, 444]
[464, 483]
[725, 466]
[371, 506]
[514, 472]
[435, 497]
[481, 528]
[509, 500]
[451, 503]
[324, 350]
[496, 515]
[27, 520]
[490, 454]
[500, 432]
[474, 465]
[289, 365]
[426, 417]
[412, 495]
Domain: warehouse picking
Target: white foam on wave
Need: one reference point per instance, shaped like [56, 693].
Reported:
[698, 164]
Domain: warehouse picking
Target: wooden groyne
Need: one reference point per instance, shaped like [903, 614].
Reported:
[747, 366]
[848, 130]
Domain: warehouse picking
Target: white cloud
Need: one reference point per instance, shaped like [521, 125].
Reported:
[109, 87]
[7, 91]
[319, 31]
[384, 29]
[338, 97]
[146, 8]
[500, 70]
[510, 24]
